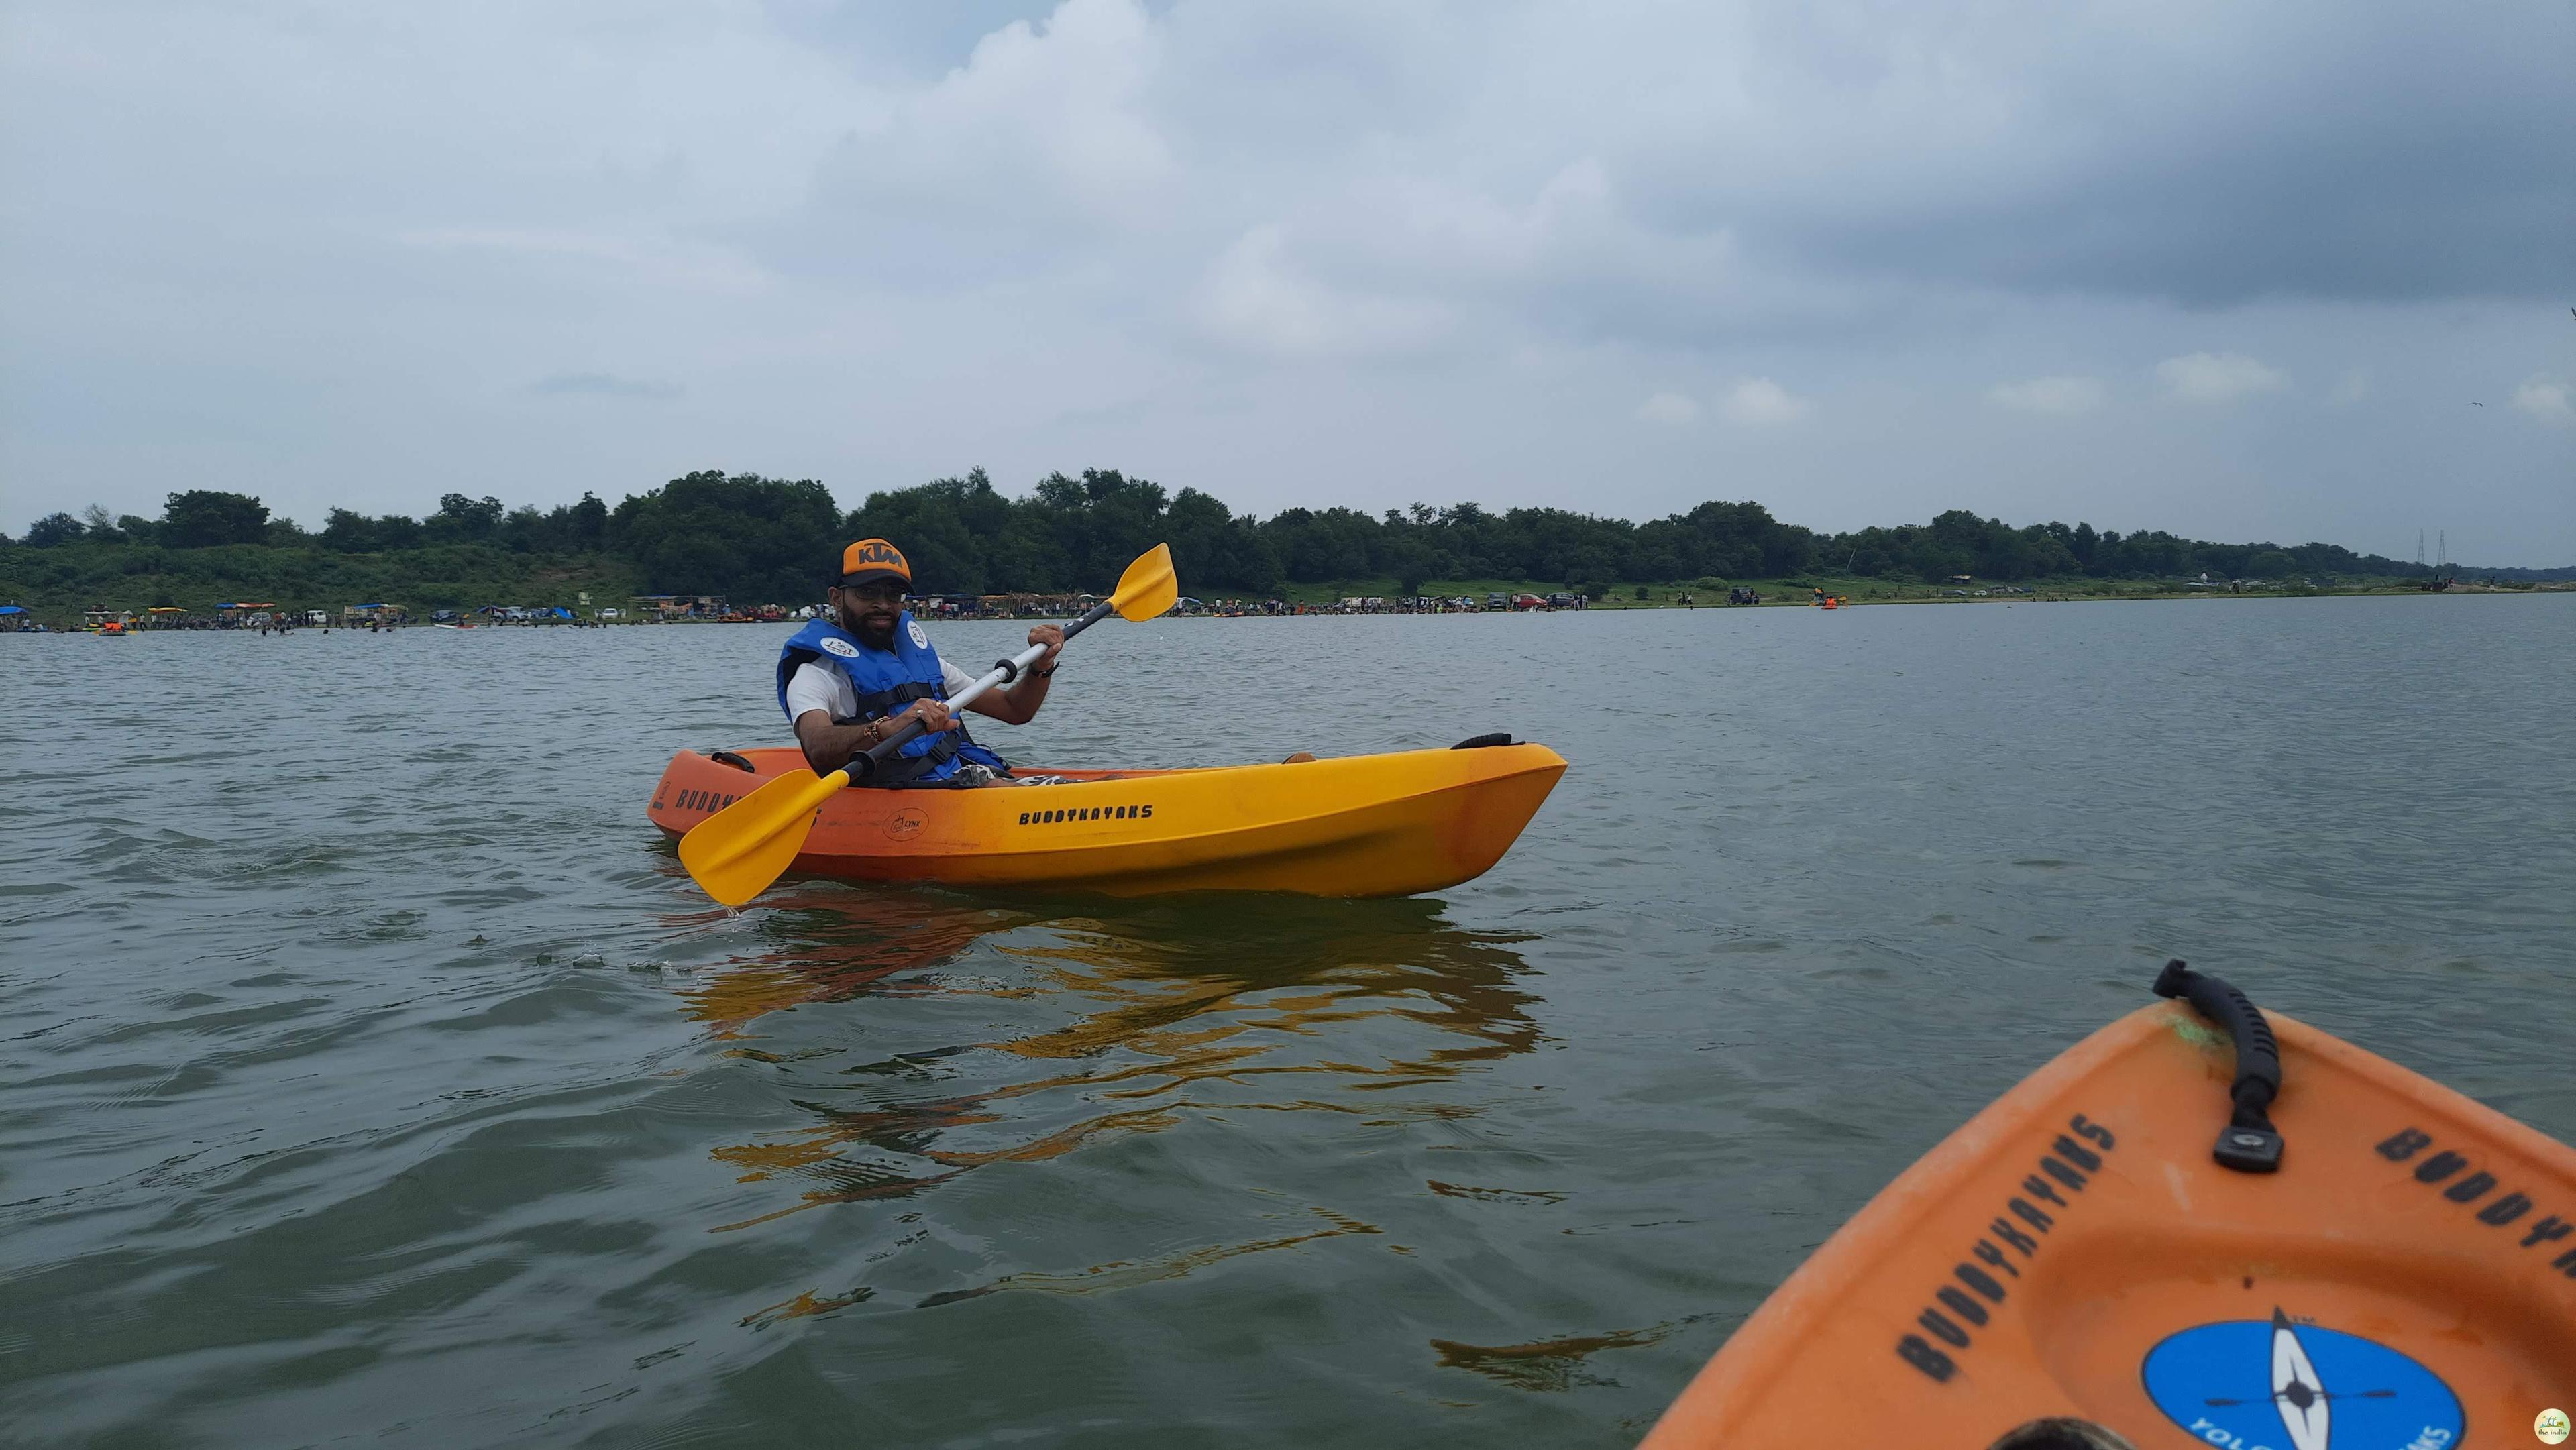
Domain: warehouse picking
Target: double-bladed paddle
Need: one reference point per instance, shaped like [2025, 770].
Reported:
[735, 853]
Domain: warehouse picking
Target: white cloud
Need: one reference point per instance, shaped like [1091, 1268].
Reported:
[1670, 408]
[1055, 110]
[657, 261]
[2063, 397]
[337, 254]
[604, 385]
[1760, 401]
[2549, 399]
[2217, 377]
[1256, 299]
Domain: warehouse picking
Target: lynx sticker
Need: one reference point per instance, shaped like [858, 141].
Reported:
[2248, 1383]
[843, 647]
[920, 636]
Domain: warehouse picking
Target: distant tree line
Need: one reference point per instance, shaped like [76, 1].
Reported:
[752, 538]
[202, 518]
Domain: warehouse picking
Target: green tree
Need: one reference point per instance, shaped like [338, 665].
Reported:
[751, 539]
[1226, 553]
[951, 530]
[53, 530]
[464, 520]
[762, 540]
[589, 522]
[348, 532]
[1102, 520]
[1411, 561]
[526, 529]
[204, 517]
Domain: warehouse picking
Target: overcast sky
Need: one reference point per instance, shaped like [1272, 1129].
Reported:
[2236, 270]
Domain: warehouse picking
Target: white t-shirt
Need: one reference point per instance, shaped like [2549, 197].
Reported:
[820, 687]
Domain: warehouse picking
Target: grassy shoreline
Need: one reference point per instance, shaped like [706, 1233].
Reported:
[55, 585]
[1855, 591]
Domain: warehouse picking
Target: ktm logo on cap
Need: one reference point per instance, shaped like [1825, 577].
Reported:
[869, 554]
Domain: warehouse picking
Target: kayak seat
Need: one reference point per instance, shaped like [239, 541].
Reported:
[2061, 1434]
[1480, 742]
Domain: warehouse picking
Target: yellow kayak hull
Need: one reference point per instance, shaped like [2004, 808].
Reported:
[1362, 825]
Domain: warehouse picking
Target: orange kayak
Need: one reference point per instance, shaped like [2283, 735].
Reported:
[2366, 1261]
[1360, 825]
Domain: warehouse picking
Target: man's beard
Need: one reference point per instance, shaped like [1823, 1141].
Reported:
[871, 636]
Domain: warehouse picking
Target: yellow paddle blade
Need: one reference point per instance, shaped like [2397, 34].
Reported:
[735, 853]
[1148, 587]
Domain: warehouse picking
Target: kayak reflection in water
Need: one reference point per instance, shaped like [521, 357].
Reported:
[910, 1038]
[850, 681]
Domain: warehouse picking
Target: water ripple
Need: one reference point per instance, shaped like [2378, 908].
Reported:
[374, 1072]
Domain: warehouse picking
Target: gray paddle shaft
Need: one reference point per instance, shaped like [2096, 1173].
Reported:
[1003, 672]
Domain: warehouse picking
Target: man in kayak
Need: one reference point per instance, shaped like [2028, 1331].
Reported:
[851, 680]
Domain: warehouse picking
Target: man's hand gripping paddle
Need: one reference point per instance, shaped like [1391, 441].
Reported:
[735, 853]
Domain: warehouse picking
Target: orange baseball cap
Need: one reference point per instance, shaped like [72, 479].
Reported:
[869, 560]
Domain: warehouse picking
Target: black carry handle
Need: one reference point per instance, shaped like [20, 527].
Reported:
[2249, 1143]
[1004, 672]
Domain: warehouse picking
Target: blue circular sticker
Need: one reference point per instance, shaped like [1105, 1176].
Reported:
[2251, 1384]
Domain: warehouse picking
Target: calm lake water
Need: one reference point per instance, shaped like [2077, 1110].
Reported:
[372, 1073]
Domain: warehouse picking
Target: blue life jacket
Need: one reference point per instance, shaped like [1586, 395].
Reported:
[887, 682]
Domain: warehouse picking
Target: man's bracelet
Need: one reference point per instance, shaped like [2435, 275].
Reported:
[1045, 674]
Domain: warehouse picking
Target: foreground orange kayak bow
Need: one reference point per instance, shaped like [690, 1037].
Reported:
[2171, 1236]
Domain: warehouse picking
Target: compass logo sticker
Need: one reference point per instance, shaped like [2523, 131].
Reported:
[2248, 1384]
[920, 637]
